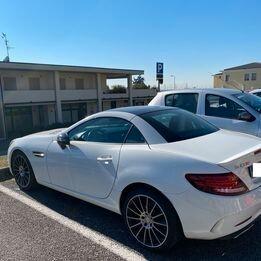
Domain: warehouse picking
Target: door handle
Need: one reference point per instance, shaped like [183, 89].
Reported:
[104, 158]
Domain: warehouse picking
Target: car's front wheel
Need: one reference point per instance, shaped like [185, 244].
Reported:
[151, 219]
[22, 171]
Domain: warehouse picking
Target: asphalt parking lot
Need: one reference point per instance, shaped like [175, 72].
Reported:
[27, 234]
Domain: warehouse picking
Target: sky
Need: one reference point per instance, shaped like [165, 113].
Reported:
[193, 38]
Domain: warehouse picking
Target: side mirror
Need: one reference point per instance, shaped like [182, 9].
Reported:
[245, 116]
[63, 140]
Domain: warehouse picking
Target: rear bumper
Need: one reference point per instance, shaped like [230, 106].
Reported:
[241, 231]
[206, 216]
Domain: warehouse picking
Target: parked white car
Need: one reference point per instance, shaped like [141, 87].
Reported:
[256, 92]
[226, 108]
[168, 172]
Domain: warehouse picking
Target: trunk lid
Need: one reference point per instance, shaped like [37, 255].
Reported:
[235, 152]
[242, 165]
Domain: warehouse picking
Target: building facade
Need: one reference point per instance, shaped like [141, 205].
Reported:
[246, 77]
[36, 97]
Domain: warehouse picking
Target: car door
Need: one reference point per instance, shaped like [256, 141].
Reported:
[57, 165]
[186, 101]
[94, 154]
[225, 113]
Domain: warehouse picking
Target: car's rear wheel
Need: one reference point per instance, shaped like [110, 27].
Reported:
[22, 171]
[151, 219]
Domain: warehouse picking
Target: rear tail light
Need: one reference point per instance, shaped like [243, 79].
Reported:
[225, 184]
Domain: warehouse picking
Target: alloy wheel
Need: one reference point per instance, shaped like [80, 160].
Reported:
[21, 171]
[147, 221]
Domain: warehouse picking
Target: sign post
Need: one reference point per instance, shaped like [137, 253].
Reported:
[159, 74]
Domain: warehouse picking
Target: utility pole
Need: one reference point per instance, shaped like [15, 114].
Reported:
[7, 46]
[174, 81]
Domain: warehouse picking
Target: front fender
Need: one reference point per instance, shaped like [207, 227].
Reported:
[29, 145]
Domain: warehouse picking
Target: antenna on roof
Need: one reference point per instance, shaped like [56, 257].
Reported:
[8, 47]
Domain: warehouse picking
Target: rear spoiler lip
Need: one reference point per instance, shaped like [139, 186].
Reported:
[255, 150]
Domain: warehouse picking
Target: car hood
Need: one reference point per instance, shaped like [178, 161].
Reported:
[50, 133]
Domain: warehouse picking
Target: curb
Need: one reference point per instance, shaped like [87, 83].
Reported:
[5, 174]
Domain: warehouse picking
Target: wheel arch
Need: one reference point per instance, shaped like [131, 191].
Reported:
[137, 185]
[15, 150]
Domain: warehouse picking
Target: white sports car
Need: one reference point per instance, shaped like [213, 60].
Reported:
[168, 172]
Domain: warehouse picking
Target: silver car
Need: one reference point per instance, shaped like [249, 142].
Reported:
[226, 108]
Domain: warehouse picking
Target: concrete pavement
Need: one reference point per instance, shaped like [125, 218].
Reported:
[27, 234]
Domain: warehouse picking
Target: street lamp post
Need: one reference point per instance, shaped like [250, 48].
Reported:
[174, 81]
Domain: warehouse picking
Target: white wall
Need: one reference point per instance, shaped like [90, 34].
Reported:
[90, 81]
[26, 96]
[22, 78]
[76, 95]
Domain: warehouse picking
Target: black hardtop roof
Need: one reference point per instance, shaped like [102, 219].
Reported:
[139, 110]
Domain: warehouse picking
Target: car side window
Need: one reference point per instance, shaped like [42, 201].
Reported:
[105, 129]
[135, 136]
[169, 100]
[219, 106]
[185, 101]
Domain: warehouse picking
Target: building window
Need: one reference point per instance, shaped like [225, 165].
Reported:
[10, 83]
[73, 112]
[113, 104]
[253, 76]
[227, 78]
[139, 102]
[79, 84]
[62, 84]
[15, 118]
[246, 77]
[34, 83]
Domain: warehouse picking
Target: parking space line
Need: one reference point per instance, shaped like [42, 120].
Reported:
[104, 241]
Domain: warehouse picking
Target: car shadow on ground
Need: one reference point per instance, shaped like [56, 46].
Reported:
[5, 175]
[246, 247]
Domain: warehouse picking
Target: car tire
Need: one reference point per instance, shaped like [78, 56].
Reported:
[22, 171]
[151, 219]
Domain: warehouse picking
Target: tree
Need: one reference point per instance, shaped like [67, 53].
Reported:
[138, 83]
[117, 89]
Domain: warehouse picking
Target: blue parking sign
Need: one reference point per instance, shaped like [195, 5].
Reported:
[159, 72]
[160, 68]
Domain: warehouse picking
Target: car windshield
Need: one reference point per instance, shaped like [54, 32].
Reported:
[251, 100]
[176, 124]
